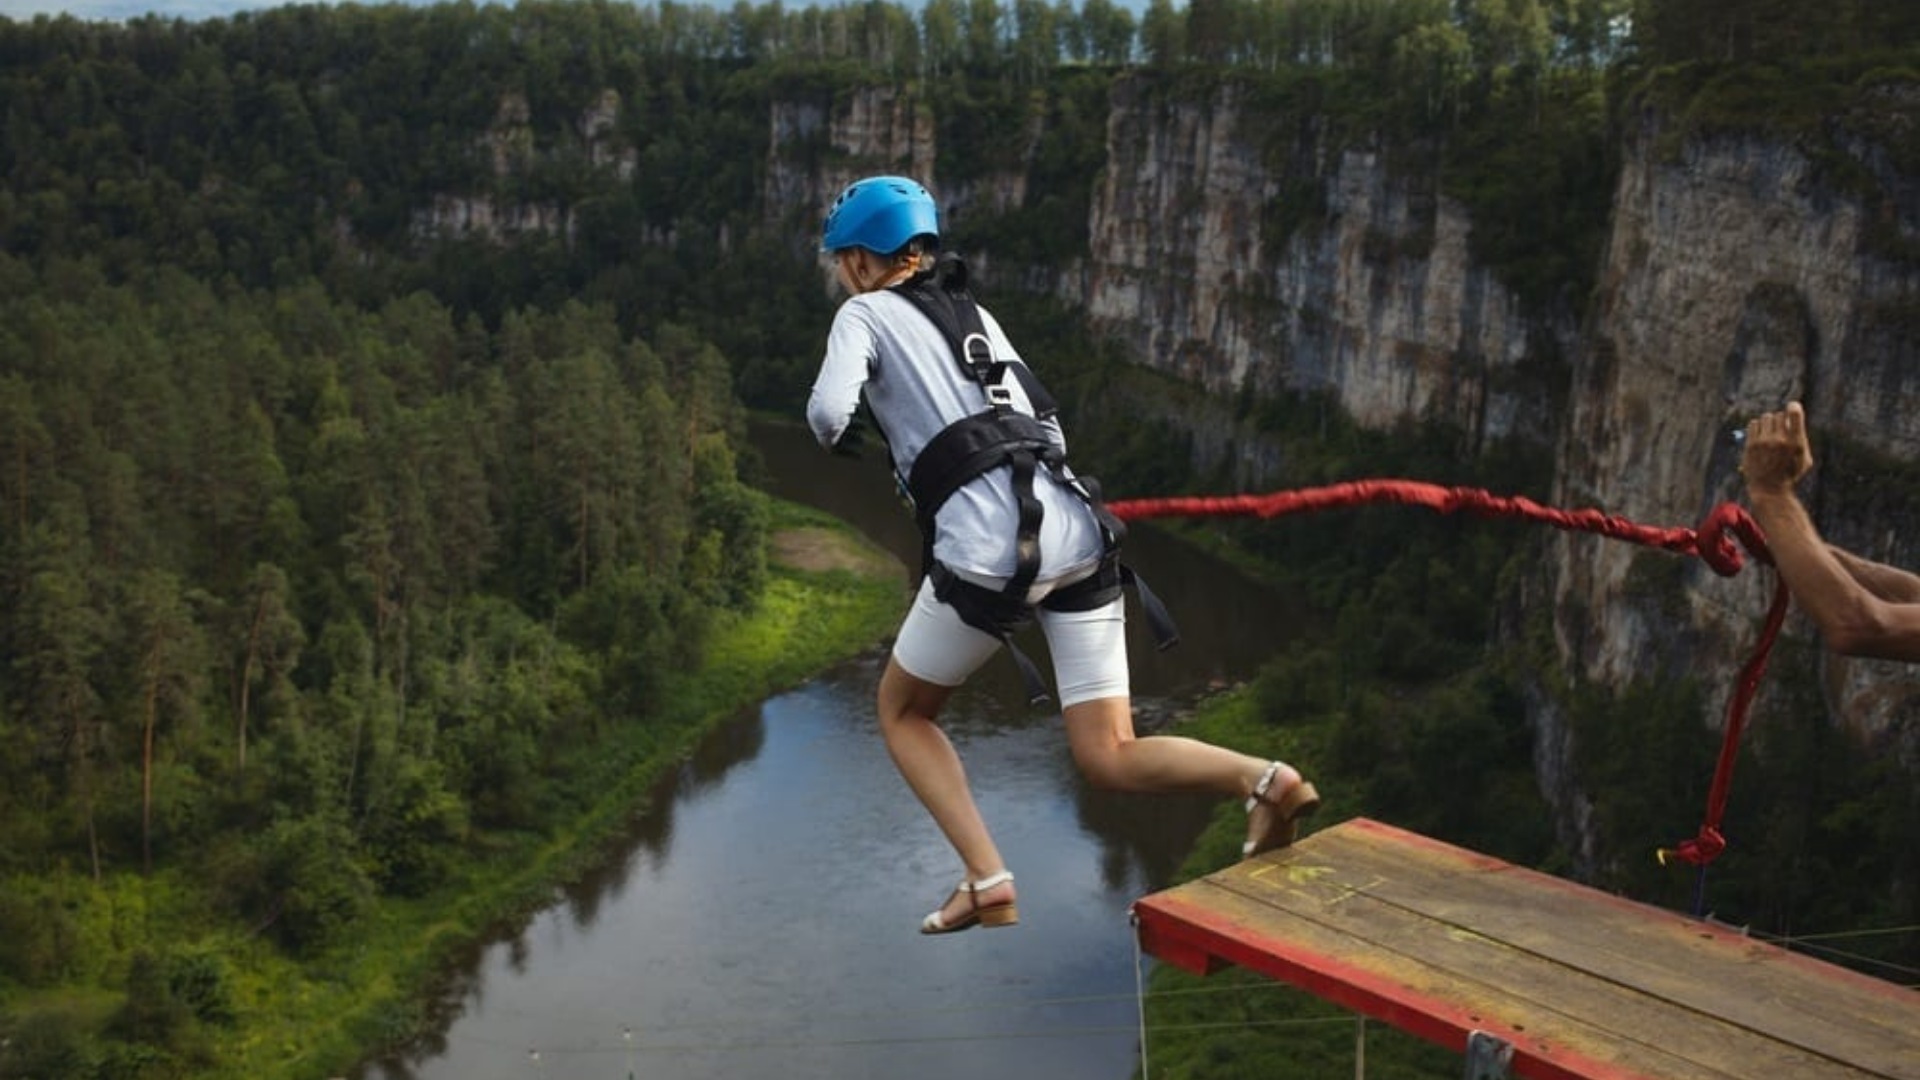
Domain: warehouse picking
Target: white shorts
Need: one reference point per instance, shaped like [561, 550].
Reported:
[1089, 647]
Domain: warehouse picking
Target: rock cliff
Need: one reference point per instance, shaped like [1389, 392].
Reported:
[1741, 274]
[1365, 291]
[1740, 271]
[509, 150]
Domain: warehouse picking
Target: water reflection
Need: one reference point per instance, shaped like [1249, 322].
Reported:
[737, 741]
[760, 917]
[1143, 838]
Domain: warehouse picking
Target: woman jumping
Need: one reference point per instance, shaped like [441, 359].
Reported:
[1010, 535]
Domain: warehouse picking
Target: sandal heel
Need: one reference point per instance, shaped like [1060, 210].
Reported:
[1289, 810]
[1303, 800]
[1004, 915]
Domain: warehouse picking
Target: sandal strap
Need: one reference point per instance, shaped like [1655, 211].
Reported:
[988, 882]
[1260, 789]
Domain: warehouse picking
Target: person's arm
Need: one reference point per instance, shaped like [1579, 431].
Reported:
[1889, 583]
[1852, 620]
[851, 352]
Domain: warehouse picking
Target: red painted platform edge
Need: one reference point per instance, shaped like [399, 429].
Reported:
[1178, 932]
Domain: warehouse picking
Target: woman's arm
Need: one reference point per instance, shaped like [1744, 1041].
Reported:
[1889, 583]
[851, 352]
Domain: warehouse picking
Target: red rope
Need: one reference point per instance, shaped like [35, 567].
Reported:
[1711, 542]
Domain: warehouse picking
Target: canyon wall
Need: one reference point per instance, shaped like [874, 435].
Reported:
[1739, 271]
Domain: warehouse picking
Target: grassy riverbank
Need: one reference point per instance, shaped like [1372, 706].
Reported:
[829, 596]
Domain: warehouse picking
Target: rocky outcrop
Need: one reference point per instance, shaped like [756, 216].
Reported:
[511, 149]
[819, 147]
[1365, 291]
[1739, 275]
[600, 132]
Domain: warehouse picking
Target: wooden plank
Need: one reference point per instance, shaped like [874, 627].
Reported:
[1694, 965]
[1442, 942]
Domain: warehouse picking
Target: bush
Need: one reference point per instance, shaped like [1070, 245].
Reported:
[202, 982]
[36, 934]
[300, 882]
[417, 830]
[50, 1045]
[151, 1015]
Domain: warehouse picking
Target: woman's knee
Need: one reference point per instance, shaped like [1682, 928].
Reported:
[1102, 763]
[902, 695]
[1100, 733]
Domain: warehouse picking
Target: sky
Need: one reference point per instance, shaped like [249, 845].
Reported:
[92, 10]
[98, 10]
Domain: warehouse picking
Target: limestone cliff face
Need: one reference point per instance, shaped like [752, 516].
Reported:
[1739, 275]
[1366, 291]
[509, 148]
[817, 148]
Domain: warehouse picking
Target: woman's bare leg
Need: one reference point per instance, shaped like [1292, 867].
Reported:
[1100, 733]
[909, 722]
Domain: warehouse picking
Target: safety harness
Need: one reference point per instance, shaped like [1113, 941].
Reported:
[1001, 435]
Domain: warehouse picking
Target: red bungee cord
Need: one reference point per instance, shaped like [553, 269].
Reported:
[1711, 542]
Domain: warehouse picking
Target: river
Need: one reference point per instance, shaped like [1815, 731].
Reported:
[762, 922]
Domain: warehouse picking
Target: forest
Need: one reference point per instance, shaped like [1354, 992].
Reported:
[338, 555]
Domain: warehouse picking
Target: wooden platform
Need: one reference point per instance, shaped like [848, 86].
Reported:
[1443, 942]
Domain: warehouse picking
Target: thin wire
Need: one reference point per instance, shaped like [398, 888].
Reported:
[1860, 958]
[1140, 994]
[884, 1040]
[1807, 943]
[1851, 933]
[1018, 1004]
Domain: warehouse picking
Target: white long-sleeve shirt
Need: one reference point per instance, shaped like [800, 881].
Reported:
[882, 344]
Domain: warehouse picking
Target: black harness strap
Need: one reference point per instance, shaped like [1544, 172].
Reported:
[942, 295]
[969, 447]
[996, 436]
[986, 440]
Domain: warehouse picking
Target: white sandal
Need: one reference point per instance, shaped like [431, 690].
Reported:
[1005, 913]
[1284, 827]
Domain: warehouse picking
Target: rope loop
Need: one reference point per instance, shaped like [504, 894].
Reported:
[1714, 542]
[1716, 548]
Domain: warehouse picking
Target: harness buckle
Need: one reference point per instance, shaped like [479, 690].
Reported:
[1000, 396]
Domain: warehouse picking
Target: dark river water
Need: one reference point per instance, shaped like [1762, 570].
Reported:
[762, 922]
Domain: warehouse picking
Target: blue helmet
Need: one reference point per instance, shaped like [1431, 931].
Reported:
[880, 213]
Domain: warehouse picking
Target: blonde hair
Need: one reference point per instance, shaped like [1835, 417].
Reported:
[915, 257]
[918, 255]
